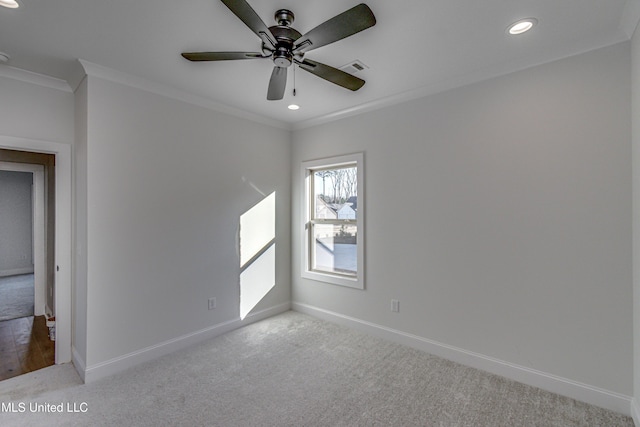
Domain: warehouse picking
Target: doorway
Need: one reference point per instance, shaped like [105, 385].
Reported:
[58, 272]
[25, 257]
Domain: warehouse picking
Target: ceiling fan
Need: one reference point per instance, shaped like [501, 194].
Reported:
[285, 46]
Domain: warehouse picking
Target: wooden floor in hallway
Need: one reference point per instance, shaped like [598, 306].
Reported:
[24, 346]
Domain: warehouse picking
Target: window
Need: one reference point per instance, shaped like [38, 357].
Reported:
[334, 218]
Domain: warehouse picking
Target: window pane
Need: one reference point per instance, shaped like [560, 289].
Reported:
[335, 193]
[335, 248]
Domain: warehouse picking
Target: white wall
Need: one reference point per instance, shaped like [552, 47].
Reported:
[635, 118]
[165, 185]
[499, 215]
[36, 111]
[16, 223]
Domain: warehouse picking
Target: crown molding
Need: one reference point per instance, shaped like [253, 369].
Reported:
[99, 71]
[34, 78]
[452, 83]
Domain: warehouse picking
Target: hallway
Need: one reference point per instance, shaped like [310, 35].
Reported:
[16, 296]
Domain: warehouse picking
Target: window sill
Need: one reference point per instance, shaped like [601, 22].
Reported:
[355, 283]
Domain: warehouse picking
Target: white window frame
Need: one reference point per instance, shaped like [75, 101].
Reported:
[357, 160]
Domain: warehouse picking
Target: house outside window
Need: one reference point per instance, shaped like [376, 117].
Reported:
[334, 220]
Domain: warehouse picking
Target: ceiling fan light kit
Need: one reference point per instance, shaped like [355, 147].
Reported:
[286, 46]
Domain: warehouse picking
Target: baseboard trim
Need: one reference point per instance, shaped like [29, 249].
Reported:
[583, 392]
[16, 271]
[635, 412]
[118, 364]
[78, 363]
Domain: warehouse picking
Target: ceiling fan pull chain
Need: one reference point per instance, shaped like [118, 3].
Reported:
[294, 80]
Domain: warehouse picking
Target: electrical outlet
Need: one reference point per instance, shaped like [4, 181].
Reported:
[395, 305]
[212, 303]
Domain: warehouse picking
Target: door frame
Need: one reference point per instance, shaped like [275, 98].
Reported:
[63, 235]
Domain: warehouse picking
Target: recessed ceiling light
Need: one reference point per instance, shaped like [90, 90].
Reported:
[522, 26]
[12, 4]
[293, 107]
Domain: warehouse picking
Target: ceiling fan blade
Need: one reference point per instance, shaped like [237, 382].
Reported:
[251, 19]
[331, 74]
[277, 84]
[337, 28]
[220, 56]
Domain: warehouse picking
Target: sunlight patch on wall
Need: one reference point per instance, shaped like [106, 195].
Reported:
[257, 253]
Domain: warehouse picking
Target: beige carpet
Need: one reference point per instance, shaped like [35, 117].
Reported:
[294, 370]
[16, 296]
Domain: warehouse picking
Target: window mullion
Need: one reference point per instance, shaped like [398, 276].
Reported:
[334, 221]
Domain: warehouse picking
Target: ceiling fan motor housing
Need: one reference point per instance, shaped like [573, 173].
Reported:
[285, 37]
[282, 57]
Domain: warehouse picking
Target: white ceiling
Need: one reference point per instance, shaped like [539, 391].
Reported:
[416, 48]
